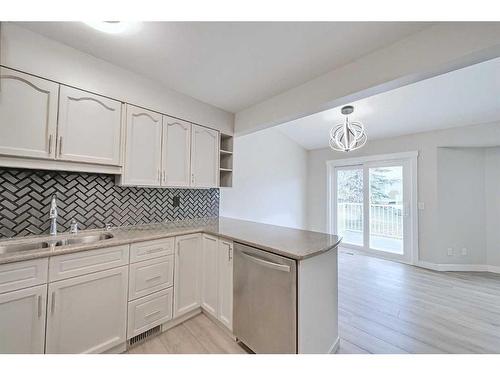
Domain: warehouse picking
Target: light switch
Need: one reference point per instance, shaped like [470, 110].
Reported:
[420, 205]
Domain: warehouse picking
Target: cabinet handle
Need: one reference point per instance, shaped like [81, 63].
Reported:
[154, 250]
[192, 178]
[60, 145]
[53, 303]
[50, 144]
[39, 306]
[151, 314]
[164, 176]
[159, 175]
[153, 278]
[229, 253]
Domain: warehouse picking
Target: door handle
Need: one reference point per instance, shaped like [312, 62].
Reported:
[266, 263]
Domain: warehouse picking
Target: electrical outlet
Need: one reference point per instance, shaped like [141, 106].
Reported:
[450, 251]
[464, 251]
[177, 201]
[421, 205]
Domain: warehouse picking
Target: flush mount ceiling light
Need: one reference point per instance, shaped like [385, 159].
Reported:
[113, 27]
[349, 135]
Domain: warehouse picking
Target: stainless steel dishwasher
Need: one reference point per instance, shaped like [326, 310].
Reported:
[265, 300]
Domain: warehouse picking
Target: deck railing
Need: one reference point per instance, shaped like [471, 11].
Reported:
[386, 220]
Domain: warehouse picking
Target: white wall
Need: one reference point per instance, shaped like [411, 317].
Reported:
[32, 53]
[485, 135]
[269, 180]
[461, 205]
[492, 193]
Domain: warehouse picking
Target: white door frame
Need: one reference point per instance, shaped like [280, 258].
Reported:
[331, 181]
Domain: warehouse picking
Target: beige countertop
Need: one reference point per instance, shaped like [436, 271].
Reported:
[292, 243]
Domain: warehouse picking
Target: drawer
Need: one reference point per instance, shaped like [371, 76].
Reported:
[77, 264]
[151, 249]
[150, 276]
[148, 312]
[24, 274]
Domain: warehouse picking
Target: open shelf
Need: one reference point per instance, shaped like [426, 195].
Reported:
[226, 160]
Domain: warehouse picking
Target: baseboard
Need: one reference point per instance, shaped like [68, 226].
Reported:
[335, 346]
[120, 348]
[455, 267]
[181, 319]
[216, 321]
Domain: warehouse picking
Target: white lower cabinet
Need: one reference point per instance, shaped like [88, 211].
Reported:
[87, 314]
[22, 321]
[150, 276]
[187, 273]
[148, 312]
[225, 283]
[217, 279]
[209, 279]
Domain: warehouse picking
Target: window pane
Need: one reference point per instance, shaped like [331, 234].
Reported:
[386, 209]
[350, 205]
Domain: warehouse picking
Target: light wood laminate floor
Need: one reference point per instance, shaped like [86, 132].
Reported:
[198, 335]
[384, 307]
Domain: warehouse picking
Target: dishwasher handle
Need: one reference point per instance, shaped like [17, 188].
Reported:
[266, 263]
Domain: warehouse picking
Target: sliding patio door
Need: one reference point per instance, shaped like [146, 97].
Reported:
[372, 206]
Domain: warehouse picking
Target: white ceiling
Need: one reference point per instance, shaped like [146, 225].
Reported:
[459, 98]
[228, 64]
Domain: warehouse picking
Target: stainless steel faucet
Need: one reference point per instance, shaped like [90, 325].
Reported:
[53, 216]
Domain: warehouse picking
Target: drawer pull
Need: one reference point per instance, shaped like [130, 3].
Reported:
[147, 316]
[155, 250]
[153, 278]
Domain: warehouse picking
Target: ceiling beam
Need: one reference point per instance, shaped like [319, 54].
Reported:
[436, 50]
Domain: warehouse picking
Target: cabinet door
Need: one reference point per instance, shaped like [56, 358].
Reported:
[187, 274]
[22, 320]
[89, 127]
[176, 152]
[204, 157]
[87, 314]
[28, 115]
[225, 268]
[209, 279]
[143, 150]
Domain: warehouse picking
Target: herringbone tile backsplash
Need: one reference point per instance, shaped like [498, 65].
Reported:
[92, 200]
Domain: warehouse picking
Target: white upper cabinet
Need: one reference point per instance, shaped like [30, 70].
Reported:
[176, 152]
[209, 272]
[89, 127]
[187, 274]
[22, 321]
[143, 147]
[28, 115]
[204, 157]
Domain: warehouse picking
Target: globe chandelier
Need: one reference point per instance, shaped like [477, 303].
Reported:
[348, 136]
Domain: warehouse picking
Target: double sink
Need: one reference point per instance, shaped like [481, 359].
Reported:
[67, 241]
